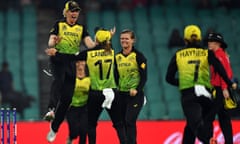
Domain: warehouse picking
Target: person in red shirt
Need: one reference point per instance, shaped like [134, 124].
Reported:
[217, 44]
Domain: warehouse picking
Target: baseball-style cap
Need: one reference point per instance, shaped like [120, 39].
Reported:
[216, 37]
[103, 35]
[192, 30]
[72, 6]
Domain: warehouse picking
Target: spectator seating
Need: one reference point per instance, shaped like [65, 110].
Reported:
[29, 55]
[92, 21]
[12, 39]
[1, 36]
[21, 52]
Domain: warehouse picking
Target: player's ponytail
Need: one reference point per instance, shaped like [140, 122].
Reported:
[103, 38]
[106, 45]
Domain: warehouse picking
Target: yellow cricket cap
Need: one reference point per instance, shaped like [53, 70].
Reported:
[191, 30]
[103, 35]
[72, 6]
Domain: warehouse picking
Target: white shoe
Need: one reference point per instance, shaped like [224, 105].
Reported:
[49, 116]
[51, 135]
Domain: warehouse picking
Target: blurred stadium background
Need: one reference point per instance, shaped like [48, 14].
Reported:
[24, 34]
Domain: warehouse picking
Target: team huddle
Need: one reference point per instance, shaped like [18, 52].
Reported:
[110, 81]
[87, 82]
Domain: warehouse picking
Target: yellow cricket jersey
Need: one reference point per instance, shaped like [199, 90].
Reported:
[101, 68]
[81, 90]
[70, 35]
[193, 67]
[129, 76]
[100, 65]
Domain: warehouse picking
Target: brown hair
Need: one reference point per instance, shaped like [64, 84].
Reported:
[193, 40]
[130, 32]
[107, 45]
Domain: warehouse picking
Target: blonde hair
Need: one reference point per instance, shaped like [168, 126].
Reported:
[65, 9]
[107, 45]
[64, 12]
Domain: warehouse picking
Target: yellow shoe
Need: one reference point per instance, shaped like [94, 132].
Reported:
[229, 103]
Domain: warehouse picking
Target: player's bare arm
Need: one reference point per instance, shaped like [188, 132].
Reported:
[51, 51]
[53, 40]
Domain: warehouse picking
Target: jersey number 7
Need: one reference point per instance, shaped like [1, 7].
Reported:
[197, 63]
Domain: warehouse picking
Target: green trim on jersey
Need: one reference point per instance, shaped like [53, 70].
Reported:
[81, 90]
[193, 67]
[70, 38]
[101, 69]
[129, 76]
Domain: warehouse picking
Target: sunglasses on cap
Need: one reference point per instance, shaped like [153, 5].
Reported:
[75, 10]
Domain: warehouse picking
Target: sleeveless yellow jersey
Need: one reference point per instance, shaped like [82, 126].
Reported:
[193, 67]
[81, 90]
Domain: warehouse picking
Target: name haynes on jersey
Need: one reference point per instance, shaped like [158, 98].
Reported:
[193, 52]
[100, 53]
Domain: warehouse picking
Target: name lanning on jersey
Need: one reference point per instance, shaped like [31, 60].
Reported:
[100, 53]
